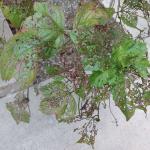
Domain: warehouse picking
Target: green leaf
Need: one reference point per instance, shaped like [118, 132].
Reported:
[61, 111]
[141, 66]
[80, 92]
[73, 107]
[53, 70]
[7, 65]
[130, 19]
[128, 112]
[41, 8]
[89, 15]
[120, 99]
[57, 17]
[147, 95]
[19, 58]
[73, 36]
[18, 111]
[101, 78]
[58, 100]
[142, 5]
[26, 77]
[44, 107]
[127, 51]
[59, 41]
[14, 15]
[67, 111]
[49, 27]
[53, 19]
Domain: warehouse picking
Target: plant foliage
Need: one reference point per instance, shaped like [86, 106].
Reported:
[92, 60]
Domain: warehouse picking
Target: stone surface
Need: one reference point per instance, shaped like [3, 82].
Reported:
[5, 31]
[8, 87]
[44, 133]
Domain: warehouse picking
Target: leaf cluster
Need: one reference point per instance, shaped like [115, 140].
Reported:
[96, 56]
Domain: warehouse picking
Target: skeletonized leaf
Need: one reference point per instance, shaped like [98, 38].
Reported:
[130, 19]
[57, 100]
[19, 109]
[119, 96]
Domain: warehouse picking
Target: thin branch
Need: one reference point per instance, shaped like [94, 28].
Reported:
[112, 112]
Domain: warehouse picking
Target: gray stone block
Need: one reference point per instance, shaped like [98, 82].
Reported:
[5, 31]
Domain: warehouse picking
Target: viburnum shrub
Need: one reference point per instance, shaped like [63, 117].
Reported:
[89, 56]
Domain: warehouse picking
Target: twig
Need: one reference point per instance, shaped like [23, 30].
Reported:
[112, 112]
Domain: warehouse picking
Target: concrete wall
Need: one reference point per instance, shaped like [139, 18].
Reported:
[44, 133]
[5, 31]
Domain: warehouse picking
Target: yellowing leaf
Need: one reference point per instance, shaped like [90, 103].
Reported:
[18, 59]
[19, 110]
[89, 14]
[27, 77]
[58, 100]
